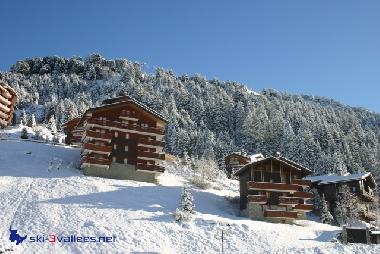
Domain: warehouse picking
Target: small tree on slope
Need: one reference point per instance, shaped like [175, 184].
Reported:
[186, 209]
[52, 125]
[32, 122]
[325, 214]
[346, 207]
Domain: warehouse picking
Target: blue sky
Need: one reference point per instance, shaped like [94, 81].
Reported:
[328, 48]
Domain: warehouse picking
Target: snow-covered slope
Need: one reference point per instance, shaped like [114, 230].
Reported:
[42, 192]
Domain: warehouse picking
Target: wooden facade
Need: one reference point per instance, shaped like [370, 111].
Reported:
[273, 187]
[8, 99]
[121, 131]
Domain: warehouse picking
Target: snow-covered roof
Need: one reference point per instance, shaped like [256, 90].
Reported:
[334, 178]
[255, 157]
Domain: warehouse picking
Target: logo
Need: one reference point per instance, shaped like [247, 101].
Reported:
[15, 237]
[53, 238]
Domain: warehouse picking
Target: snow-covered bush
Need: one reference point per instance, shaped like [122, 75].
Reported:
[24, 133]
[186, 208]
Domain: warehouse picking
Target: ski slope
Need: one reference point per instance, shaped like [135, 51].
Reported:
[42, 192]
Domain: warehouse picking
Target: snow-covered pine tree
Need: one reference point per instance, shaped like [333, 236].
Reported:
[24, 133]
[346, 207]
[52, 126]
[23, 117]
[186, 208]
[32, 122]
[325, 215]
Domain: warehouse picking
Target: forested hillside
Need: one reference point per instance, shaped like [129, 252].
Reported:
[207, 117]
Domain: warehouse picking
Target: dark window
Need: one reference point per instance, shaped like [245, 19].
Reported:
[267, 176]
[276, 177]
[257, 176]
[273, 198]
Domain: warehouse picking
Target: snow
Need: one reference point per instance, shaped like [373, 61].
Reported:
[334, 178]
[43, 192]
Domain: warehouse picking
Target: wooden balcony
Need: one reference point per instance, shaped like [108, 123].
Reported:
[280, 214]
[303, 183]
[4, 108]
[277, 187]
[303, 207]
[258, 199]
[150, 167]
[288, 200]
[149, 143]
[125, 126]
[98, 136]
[151, 155]
[95, 161]
[97, 148]
[303, 195]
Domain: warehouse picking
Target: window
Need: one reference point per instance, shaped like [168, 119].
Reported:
[353, 189]
[127, 135]
[126, 148]
[116, 134]
[114, 146]
[113, 159]
[125, 161]
[103, 131]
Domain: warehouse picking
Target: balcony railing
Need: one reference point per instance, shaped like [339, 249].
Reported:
[288, 200]
[147, 142]
[303, 195]
[95, 161]
[280, 214]
[258, 199]
[126, 126]
[304, 207]
[5, 101]
[98, 135]
[278, 187]
[159, 156]
[305, 183]
[150, 167]
[97, 148]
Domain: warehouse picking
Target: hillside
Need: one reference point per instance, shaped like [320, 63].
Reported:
[208, 118]
[41, 192]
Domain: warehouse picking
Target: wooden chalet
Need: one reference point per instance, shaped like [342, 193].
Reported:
[272, 189]
[361, 184]
[8, 98]
[237, 160]
[121, 139]
[73, 136]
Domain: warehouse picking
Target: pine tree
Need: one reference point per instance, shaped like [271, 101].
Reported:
[32, 122]
[24, 133]
[346, 207]
[186, 208]
[23, 117]
[325, 214]
[52, 126]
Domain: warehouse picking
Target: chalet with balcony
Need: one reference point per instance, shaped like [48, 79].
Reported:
[361, 184]
[8, 98]
[237, 160]
[121, 139]
[272, 189]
